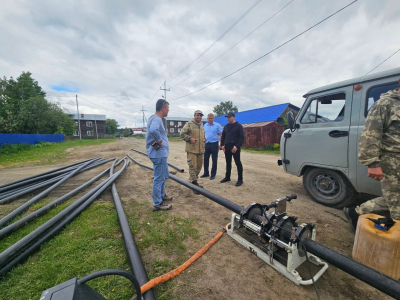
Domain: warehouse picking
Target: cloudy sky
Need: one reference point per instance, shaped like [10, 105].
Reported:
[117, 54]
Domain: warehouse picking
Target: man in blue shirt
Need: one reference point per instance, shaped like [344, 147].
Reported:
[213, 132]
[158, 149]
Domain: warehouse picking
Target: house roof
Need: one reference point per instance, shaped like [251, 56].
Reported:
[90, 117]
[264, 114]
[356, 80]
[258, 124]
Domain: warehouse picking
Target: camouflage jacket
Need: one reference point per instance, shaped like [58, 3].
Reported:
[381, 134]
[193, 129]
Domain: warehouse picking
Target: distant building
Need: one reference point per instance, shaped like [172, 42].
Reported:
[174, 125]
[91, 125]
[262, 126]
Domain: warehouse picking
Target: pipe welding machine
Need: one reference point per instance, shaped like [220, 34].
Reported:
[276, 238]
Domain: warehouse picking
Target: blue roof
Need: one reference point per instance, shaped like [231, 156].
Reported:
[264, 114]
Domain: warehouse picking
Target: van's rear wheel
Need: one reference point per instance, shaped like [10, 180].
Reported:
[328, 187]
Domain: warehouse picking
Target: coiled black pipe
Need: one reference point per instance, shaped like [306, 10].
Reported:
[171, 165]
[18, 224]
[135, 260]
[23, 191]
[41, 174]
[377, 280]
[53, 230]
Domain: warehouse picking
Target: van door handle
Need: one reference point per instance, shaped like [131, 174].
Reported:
[338, 133]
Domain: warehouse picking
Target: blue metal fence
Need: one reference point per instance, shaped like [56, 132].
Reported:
[31, 139]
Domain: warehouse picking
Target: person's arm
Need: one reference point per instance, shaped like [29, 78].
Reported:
[241, 136]
[223, 135]
[369, 146]
[154, 130]
[185, 133]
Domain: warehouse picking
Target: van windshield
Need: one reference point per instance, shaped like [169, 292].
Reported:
[325, 109]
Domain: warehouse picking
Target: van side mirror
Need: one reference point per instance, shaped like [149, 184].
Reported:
[290, 120]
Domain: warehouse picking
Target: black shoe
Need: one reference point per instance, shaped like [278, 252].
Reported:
[212, 177]
[225, 180]
[352, 216]
[239, 183]
[204, 176]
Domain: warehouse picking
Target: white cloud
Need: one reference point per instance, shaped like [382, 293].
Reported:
[119, 54]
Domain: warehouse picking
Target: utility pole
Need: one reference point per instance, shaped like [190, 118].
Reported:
[165, 90]
[79, 118]
[143, 110]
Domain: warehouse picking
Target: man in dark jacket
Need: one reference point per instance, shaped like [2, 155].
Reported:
[231, 141]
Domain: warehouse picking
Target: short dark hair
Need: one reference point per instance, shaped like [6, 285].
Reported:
[161, 103]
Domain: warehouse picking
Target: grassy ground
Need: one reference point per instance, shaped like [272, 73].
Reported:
[43, 153]
[93, 242]
[262, 150]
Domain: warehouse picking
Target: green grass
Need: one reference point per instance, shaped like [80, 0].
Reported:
[175, 138]
[93, 242]
[44, 153]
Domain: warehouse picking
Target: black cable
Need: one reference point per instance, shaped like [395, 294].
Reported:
[293, 38]
[379, 64]
[216, 41]
[152, 97]
[235, 44]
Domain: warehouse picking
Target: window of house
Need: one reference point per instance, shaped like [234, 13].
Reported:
[325, 109]
[76, 123]
[172, 130]
[375, 93]
[89, 123]
[179, 123]
[89, 132]
[171, 122]
[76, 133]
[179, 130]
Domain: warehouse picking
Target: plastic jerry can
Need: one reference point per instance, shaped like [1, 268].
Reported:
[377, 249]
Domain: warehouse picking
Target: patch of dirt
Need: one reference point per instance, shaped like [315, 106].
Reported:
[227, 270]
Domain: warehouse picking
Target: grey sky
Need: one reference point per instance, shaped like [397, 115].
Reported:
[118, 53]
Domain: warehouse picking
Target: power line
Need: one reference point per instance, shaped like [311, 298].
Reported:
[216, 41]
[293, 38]
[379, 64]
[234, 44]
[153, 96]
[106, 108]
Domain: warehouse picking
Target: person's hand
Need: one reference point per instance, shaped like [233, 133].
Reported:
[192, 140]
[223, 148]
[234, 149]
[160, 143]
[204, 140]
[375, 173]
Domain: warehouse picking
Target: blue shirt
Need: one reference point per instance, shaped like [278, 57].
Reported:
[212, 132]
[156, 133]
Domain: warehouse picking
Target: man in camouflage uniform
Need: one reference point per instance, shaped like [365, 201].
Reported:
[193, 134]
[379, 149]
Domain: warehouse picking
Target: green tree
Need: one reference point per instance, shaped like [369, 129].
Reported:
[24, 109]
[127, 132]
[111, 126]
[225, 107]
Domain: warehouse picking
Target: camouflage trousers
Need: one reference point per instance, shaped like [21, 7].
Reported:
[195, 162]
[390, 201]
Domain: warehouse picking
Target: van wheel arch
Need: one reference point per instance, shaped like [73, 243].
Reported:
[328, 187]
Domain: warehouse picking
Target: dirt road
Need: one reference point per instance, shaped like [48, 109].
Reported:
[227, 270]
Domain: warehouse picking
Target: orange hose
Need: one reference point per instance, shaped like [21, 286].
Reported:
[160, 279]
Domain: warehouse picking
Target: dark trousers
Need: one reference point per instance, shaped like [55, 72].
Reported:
[236, 157]
[211, 149]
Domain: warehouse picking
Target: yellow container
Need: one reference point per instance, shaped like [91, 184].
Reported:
[377, 249]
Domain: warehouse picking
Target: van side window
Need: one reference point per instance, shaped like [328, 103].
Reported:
[375, 93]
[325, 109]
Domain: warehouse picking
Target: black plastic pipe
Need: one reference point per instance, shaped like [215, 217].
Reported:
[21, 191]
[18, 224]
[171, 165]
[41, 174]
[135, 260]
[35, 199]
[39, 177]
[36, 245]
[377, 280]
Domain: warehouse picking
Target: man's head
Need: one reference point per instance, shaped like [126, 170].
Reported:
[230, 117]
[162, 107]
[210, 118]
[198, 115]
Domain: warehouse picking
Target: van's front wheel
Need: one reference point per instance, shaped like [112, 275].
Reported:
[328, 187]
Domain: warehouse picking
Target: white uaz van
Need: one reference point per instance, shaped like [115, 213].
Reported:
[322, 142]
